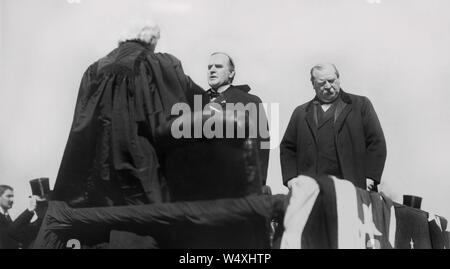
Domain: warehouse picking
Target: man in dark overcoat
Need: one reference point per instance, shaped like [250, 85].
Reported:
[337, 133]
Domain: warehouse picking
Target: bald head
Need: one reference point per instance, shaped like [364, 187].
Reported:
[221, 70]
[230, 60]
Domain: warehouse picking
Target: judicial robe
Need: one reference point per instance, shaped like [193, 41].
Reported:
[112, 155]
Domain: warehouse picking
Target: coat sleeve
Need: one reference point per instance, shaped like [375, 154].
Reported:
[87, 88]
[191, 88]
[288, 150]
[375, 143]
[23, 219]
[263, 137]
[20, 230]
[68, 180]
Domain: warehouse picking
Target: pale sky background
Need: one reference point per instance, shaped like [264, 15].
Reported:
[396, 52]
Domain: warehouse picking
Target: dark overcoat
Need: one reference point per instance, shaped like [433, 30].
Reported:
[359, 139]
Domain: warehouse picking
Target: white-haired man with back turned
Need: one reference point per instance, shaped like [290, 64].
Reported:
[112, 157]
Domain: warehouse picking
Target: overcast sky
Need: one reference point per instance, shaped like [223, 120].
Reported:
[396, 52]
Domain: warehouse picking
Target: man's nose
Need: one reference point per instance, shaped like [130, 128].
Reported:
[328, 86]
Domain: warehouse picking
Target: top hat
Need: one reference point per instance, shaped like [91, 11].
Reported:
[40, 187]
[412, 201]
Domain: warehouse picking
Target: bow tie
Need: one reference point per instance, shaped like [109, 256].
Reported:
[213, 94]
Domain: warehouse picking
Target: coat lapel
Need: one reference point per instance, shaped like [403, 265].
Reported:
[340, 106]
[343, 108]
[311, 119]
[4, 221]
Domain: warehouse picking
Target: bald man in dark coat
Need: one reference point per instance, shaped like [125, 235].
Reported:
[221, 73]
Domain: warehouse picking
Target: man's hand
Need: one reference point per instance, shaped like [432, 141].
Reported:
[290, 182]
[33, 203]
[370, 184]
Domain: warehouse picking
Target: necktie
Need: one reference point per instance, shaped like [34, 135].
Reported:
[8, 218]
[213, 94]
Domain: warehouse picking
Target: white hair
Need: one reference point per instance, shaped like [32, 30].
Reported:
[322, 66]
[146, 31]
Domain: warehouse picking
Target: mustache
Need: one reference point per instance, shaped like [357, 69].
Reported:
[331, 88]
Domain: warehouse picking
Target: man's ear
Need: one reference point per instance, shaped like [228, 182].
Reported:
[232, 74]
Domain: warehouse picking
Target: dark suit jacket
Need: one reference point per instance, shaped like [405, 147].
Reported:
[16, 233]
[359, 140]
[240, 94]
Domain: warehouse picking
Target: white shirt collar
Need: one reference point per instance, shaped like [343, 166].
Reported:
[223, 88]
[2, 211]
[325, 107]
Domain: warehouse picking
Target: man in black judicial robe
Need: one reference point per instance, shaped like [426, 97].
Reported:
[112, 154]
